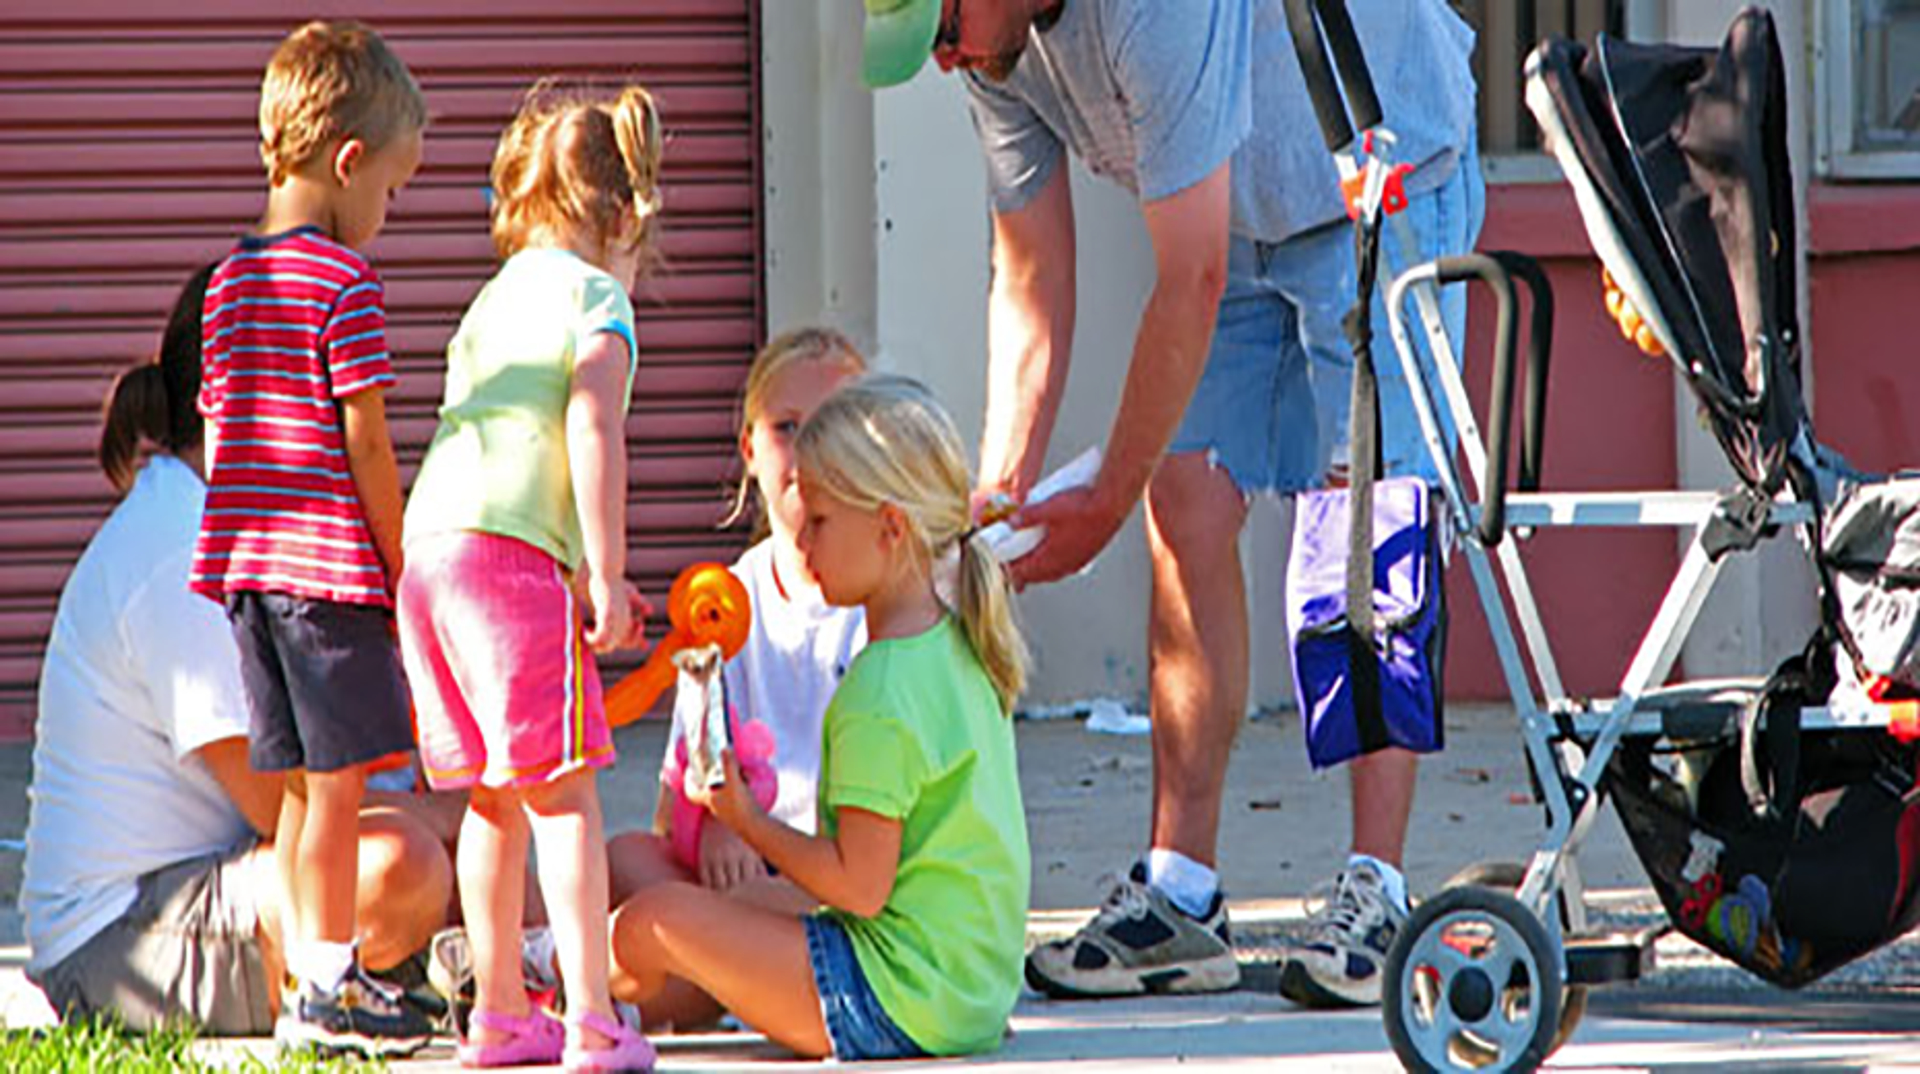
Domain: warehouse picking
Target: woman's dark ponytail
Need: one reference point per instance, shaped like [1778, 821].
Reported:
[136, 412]
[155, 402]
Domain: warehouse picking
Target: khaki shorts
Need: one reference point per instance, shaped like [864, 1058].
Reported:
[188, 948]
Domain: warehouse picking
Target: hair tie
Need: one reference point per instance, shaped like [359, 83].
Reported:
[968, 534]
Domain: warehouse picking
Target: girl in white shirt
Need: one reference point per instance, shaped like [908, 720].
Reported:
[793, 658]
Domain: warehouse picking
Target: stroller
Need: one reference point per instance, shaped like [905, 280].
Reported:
[1778, 817]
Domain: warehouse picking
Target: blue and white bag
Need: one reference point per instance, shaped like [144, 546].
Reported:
[1408, 624]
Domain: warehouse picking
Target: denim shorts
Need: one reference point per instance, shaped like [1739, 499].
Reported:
[1271, 407]
[857, 1025]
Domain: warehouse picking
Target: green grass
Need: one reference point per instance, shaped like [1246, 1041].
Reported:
[105, 1046]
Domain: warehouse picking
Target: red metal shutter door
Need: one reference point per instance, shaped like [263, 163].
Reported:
[128, 156]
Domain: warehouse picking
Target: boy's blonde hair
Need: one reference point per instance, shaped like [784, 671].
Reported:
[569, 161]
[782, 352]
[885, 440]
[331, 80]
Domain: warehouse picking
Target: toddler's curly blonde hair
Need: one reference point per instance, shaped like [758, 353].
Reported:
[569, 161]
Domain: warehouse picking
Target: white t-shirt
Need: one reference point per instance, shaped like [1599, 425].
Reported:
[786, 673]
[139, 674]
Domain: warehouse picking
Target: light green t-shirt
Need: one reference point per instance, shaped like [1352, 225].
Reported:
[915, 732]
[498, 461]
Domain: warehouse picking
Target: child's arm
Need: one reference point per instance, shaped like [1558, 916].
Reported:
[376, 476]
[597, 456]
[663, 812]
[853, 871]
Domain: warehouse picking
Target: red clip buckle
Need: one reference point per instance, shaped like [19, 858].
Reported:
[1903, 710]
[1393, 194]
[1903, 721]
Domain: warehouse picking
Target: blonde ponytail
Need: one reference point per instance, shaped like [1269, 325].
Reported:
[986, 614]
[637, 131]
[885, 440]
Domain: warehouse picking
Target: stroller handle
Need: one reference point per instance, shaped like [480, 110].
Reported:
[1311, 37]
[1497, 270]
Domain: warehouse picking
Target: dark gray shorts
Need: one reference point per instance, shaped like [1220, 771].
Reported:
[188, 947]
[323, 680]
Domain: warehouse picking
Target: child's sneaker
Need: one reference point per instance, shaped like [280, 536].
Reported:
[1139, 942]
[357, 1015]
[1345, 952]
[450, 972]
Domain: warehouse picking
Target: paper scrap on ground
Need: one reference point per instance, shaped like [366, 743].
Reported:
[1109, 717]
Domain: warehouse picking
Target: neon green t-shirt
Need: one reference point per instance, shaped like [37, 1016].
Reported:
[915, 732]
[498, 461]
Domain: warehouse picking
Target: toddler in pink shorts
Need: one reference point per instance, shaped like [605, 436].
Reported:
[516, 564]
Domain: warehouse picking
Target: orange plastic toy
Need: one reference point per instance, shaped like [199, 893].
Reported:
[706, 606]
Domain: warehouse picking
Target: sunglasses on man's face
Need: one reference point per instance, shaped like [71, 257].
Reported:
[948, 35]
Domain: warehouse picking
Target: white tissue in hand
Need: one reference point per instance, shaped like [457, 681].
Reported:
[1008, 543]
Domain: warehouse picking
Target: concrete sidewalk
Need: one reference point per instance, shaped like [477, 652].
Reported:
[1284, 830]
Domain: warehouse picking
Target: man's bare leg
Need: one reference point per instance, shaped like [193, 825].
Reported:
[1170, 933]
[1198, 648]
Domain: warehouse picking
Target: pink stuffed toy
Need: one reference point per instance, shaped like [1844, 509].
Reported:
[753, 748]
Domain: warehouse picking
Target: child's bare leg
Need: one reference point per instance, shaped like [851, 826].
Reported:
[637, 861]
[567, 829]
[752, 960]
[492, 861]
[327, 859]
[286, 855]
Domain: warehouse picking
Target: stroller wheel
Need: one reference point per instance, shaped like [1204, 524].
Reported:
[1507, 876]
[1473, 983]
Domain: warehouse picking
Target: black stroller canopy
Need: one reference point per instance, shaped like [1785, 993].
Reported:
[1685, 159]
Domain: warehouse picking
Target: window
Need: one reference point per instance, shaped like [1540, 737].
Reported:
[1507, 32]
[1871, 92]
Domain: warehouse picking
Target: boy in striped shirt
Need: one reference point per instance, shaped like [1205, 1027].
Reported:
[301, 534]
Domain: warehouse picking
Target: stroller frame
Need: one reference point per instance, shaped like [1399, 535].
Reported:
[1538, 916]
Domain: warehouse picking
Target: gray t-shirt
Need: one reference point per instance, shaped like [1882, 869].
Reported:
[1156, 94]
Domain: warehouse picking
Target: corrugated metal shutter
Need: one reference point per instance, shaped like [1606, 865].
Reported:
[128, 156]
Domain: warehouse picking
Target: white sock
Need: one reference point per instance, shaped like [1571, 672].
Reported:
[1186, 883]
[1391, 879]
[320, 963]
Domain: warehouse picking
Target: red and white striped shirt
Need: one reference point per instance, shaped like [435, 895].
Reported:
[292, 323]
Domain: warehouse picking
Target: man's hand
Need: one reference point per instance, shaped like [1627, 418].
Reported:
[1079, 524]
[725, 861]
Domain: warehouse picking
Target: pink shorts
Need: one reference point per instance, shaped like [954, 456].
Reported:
[505, 692]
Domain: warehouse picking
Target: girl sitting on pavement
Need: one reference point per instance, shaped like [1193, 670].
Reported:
[921, 864]
[794, 657]
[520, 505]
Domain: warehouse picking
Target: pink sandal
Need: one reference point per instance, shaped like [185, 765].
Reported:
[629, 1051]
[532, 1038]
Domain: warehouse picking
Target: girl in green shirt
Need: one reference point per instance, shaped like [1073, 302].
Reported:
[921, 864]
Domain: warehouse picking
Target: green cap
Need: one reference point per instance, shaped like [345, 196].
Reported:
[899, 38]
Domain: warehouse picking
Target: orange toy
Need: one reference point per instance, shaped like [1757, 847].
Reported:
[706, 606]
